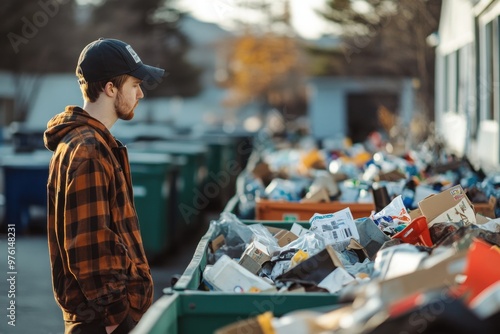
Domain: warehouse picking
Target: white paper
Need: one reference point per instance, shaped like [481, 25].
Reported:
[336, 228]
[395, 210]
[493, 225]
[227, 275]
[336, 280]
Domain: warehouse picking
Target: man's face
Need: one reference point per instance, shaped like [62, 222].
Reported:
[128, 98]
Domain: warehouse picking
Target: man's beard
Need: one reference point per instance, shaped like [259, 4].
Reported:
[122, 109]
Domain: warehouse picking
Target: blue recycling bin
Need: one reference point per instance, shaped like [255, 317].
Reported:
[25, 186]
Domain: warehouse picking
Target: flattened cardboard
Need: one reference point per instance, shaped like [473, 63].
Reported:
[440, 274]
[461, 212]
[360, 251]
[435, 205]
[415, 213]
[274, 230]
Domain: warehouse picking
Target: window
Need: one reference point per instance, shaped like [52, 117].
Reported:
[446, 83]
[488, 76]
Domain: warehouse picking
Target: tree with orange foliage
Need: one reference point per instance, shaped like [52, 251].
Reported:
[266, 68]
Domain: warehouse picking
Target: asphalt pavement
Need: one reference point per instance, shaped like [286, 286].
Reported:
[27, 283]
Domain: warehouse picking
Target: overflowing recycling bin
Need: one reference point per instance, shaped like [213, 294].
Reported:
[309, 276]
[343, 243]
[187, 309]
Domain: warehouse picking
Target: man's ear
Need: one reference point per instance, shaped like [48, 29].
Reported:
[110, 90]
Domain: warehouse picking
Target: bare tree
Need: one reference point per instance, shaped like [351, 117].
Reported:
[37, 37]
[386, 38]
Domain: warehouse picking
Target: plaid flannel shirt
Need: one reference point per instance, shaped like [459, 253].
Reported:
[99, 268]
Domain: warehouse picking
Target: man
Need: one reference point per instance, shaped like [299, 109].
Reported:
[100, 274]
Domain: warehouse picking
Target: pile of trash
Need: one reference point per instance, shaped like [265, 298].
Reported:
[356, 175]
[416, 272]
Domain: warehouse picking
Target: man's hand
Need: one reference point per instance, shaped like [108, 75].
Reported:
[110, 329]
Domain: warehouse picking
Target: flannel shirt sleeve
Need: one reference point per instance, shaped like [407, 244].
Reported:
[96, 257]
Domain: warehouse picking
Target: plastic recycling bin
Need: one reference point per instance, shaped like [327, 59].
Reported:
[153, 182]
[25, 186]
[292, 211]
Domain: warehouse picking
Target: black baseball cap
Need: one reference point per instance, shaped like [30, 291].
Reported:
[106, 58]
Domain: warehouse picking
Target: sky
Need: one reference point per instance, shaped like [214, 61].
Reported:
[304, 20]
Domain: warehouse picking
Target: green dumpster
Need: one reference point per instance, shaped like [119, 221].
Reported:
[223, 166]
[186, 312]
[184, 309]
[193, 197]
[153, 181]
[227, 147]
[226, 157]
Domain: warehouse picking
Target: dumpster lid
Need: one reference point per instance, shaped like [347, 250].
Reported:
[176, 147]
[27, 160]
[150, 158]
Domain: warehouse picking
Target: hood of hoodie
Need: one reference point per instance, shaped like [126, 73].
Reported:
[72, 117]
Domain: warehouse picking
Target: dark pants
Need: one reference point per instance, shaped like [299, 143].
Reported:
[97, 327]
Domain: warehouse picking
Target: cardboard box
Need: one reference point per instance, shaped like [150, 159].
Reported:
[285, 237]
[298, 230]
[449, 205]
[217, 243]
[415, 213]
[487, 209]
[254, 256]
[274, 230]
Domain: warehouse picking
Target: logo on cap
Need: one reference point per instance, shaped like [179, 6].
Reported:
[133, 54]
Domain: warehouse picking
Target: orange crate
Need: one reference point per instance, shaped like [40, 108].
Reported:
[295, 211]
